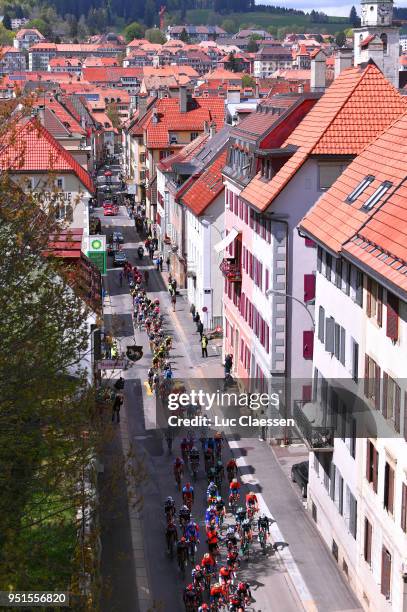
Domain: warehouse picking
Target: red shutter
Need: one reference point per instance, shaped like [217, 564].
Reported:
[309, 287]
[403, 521]
[267, 340]
[368, 459]
[375, 468]
[267, 280]
[392, 330]
[306, 393]
[369, 298]
[309, 243]
[308, 344]
[386, 573]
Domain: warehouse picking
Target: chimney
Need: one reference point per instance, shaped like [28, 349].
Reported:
[318, 72]
[142, 105]
[206, 127]
[233, 96]
[300, 88]
[212, 129]
[343, 59]
[183, 99]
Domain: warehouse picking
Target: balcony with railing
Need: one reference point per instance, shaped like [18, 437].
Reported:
[318, 436]
[232, 270]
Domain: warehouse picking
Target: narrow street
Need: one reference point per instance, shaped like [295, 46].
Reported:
[131, 562]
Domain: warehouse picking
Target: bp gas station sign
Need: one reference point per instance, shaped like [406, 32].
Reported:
[97, 252]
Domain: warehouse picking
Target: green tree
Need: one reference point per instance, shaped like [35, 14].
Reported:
[248, 81]
[340, 39]
[354, 20]
[150, 13]
[273, 30]
[40, 25]
[6, 37]
[232, 62]
[349, 32]
[184, 37]
[133, 30]
[252, 47]
[229, 25]
[155, 36]
[7, 21]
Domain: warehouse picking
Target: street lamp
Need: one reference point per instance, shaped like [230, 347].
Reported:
[287, 295]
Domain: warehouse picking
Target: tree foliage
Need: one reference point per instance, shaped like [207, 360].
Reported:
[133, 30]
[340, 39]
[155, 36]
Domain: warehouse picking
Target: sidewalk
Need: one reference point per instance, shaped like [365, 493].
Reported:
[312, 568]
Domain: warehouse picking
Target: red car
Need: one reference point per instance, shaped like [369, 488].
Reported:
[110, 210]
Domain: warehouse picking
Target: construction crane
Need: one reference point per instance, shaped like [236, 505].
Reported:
[161, 14]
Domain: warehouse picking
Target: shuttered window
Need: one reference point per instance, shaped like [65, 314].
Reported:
[389, 488]
[308, 344]
[385, 586]
[355, 360]
[338, 273]
[359, 288]
[330, 335]
[379, 314]
[321, 324]
[372, 381]
[372, 465]
[353, 515]
[392, 326]
[309, 287]
[403, 521]
[368, 542]
[328, 265]
[319, 259]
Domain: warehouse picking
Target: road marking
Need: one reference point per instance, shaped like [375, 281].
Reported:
[285, 554]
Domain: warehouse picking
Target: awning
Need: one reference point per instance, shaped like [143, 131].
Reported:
[223, 244]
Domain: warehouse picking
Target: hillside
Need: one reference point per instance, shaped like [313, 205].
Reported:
[264, 20]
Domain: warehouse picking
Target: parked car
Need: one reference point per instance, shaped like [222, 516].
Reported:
[299, 474]
[119, 258]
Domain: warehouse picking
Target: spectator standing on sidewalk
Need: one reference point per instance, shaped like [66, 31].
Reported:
[197, 319]
[200, 328]
[192, 310]
[168, 262]
[173, 300]
[204, 344]
[161, 260]
[174, 285]
[117, 404]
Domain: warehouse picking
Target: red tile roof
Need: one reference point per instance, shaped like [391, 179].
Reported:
[207, 187]
[170, 119]
[184, 154]
[354, 109]
[33, 149]
[368, 236]
[110, 74]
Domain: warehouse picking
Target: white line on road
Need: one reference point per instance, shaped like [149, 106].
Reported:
[285, 554]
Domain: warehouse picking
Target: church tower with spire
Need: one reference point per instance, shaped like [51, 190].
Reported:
[378, 39]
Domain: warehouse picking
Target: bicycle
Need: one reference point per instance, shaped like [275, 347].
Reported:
[263, 540]
[245, 548]
[234, 502]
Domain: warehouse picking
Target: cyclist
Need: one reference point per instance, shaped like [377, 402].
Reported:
[225, 575]
[178, 467]
[236, 603]
[231, 538]
[210, 515]
[218, 444]
[211, 473]
[198, 577]
[252, 504]
[188, 495]
[150, 376]
[184, 516]
[263, 524]
[231, 469]
[209, 458]
[185, 449]
[208, 563]
[213, 539]
[243, 590]
[219, 472]
[192, 536]
[234, 489]
[212, 490]
[169, 507]
[194, 456]
[190, 597]
[203, 608]
[220, 509]
[217, 595]
[171, 535]
[232, 559]
[182, 551]
[240, 515]
[247, 530]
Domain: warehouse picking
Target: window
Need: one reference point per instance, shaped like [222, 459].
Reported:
[194, 135]
[392, 323]
[339, 343]
[388, 488]
[328, 265]
[391, 400]
[377, 195]
[319, 259]
[355, 360]
[308, 344]
[352, 511]
[372, 465]
[309, 287]
[328, 173]
[372, 381]
[386, 573]
[383, 38]
[403, 521]
[330, 335]
[368, 542]
[60, 183]
[360, 189]
[338, 273]
[359, 288]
